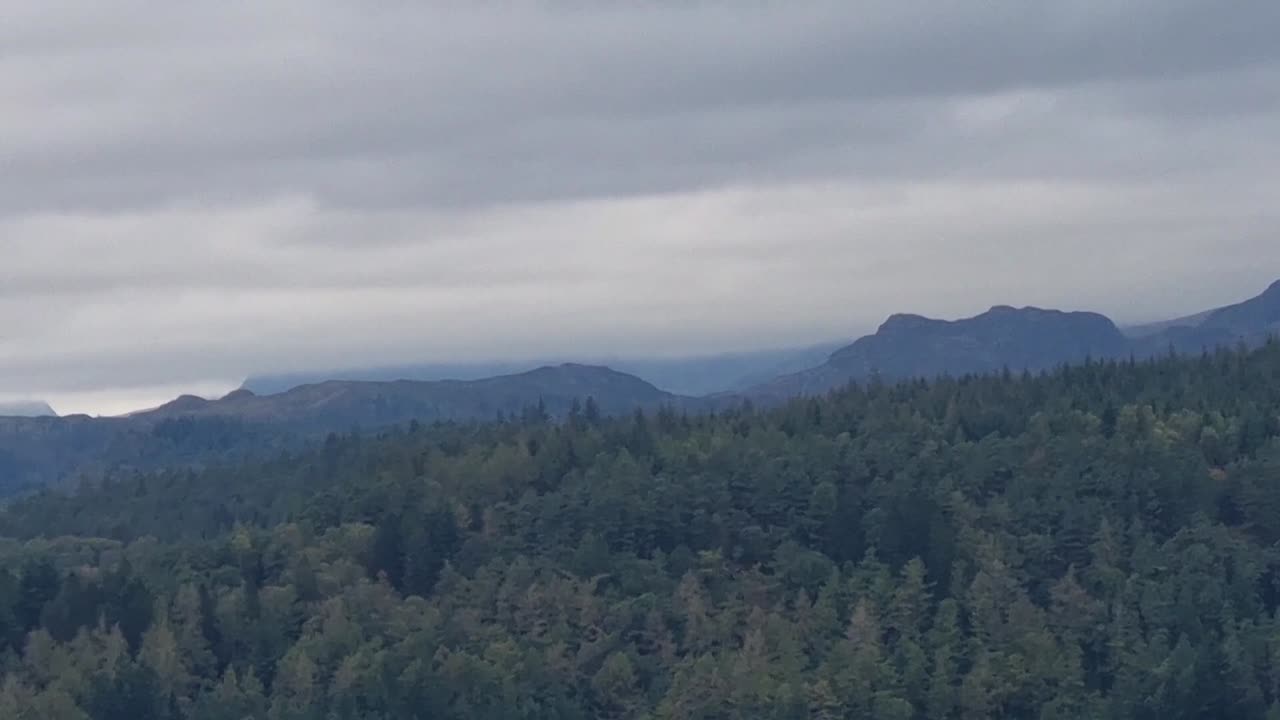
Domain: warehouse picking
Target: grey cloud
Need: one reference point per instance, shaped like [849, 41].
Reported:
[193, 192]
[430, 104]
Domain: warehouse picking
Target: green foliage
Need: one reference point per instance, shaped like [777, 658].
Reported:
[1100, 541]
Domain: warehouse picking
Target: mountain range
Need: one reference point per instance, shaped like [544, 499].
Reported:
[35, 451]
[43, 450]
[339, 404]
[698, 375]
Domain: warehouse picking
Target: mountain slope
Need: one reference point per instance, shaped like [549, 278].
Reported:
[37, 451]
[1148, 330]
[697, 375]
[914, 346]
[1253, 317]
[1256, 316]
[339, 404]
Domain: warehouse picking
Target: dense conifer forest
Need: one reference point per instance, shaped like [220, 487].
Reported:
[1095, 542]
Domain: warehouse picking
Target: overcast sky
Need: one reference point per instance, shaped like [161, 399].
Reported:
[193, 192]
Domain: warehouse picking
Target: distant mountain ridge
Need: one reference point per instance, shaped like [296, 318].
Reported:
[189, 429]
[907, 346]
[695, 375]
[192, 430]
[343, 403]
[1029, 338]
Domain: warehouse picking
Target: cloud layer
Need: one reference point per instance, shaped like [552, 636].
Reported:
[190, 194]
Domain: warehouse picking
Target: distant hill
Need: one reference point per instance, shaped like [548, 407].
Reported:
[33, 408]
[193, 431]
[908, 346]
[339, 404]
[698, 375]
[37, 451]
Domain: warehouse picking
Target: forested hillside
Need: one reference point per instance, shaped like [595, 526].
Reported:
[1099, 541]
[193, 432]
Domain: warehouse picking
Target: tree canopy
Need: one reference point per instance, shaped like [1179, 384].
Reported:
[1097, 541]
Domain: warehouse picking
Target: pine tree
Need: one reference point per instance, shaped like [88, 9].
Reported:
[39, 585]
